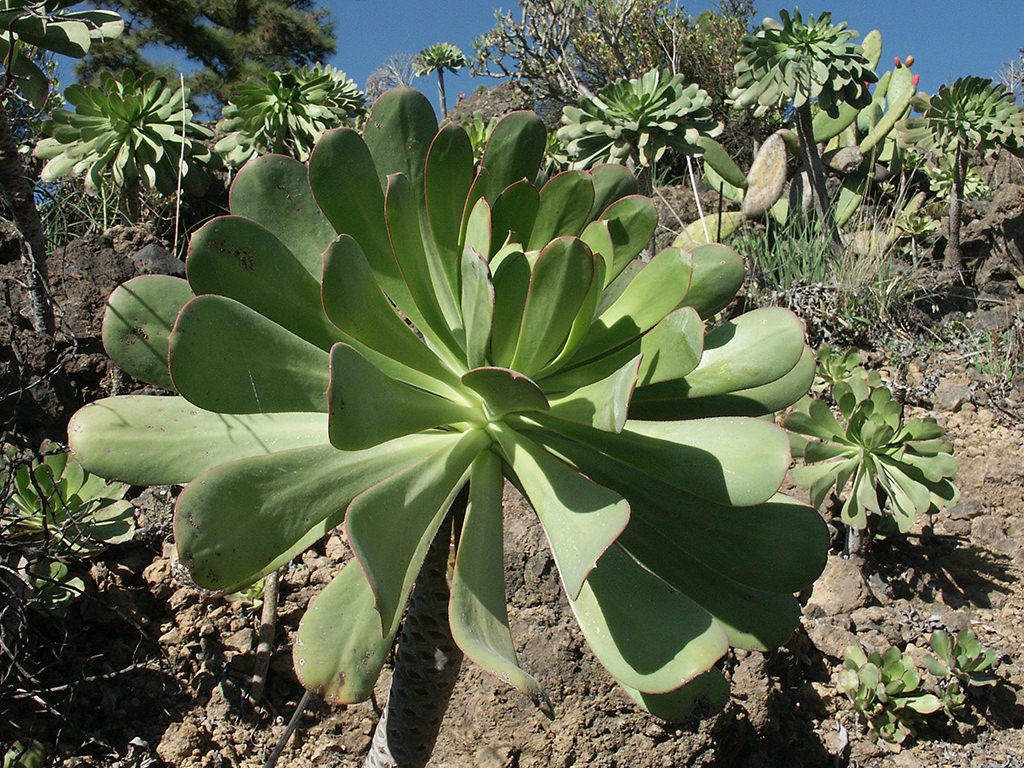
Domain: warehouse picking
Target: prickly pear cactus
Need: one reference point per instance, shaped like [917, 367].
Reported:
[767, 177]
[359, 340]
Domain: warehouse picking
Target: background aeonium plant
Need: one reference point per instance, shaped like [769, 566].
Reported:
[287, 112]
[795, 61]
[129, 130]
[548, 356]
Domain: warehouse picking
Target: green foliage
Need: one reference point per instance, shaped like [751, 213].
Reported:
[74, 512]
[940, 179]
[899, 469]
[440, 57]
[479, 132]
[971, 114]
[130, 128]
[47, 25]
[795, 252]
[886, 690]
[834, 367]
[637, 119]
[547, 355]
[225, 41]
[286, 112]
[795, 62]
[959, 665]
[30, 755]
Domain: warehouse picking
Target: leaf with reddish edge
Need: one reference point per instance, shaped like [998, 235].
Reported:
[651, 295]
[631, 223]
[778, 545]
[391, 546]
[478, 229]
[477, 306]
[717, 276]
[340, 649]
[421, 268]
[399, 131]
[478, 611]
[603, 404]
[476, 194]
[514, 213]
[151, 440]
[752, 618]
[612, 182]
[673, 347]
[226, 357]
[354, 302]
[274, 190]
[511, 285]
[736, 356]
[354, 204]
[648, 635]
[235, 257]
[505, 391]
[276, 499]
[580, 517]
[368, 407]
[449, 175]
[754, 401]
[710, 688]
[138, 321]
[514, 151]
[559, 283]
[563, 209]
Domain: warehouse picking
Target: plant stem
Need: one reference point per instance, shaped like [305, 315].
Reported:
[268, 627]
[954, 258]
[19, 193]
[816, 172]
[427, 663]
[440, 92]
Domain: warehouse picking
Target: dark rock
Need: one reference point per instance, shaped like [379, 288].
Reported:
[950, 397]
[829, 638]
[154, 259]
[490, 102]
[991, 320]
[840, 588]
[10, 242]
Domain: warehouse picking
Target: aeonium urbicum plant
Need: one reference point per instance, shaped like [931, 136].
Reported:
[361, 340]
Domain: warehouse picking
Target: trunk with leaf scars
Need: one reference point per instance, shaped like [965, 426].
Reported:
[427, 663]
[18, 191]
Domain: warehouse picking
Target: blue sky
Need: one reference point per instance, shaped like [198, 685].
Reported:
[948, 38]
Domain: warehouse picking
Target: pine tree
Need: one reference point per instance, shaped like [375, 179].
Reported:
[227, 39]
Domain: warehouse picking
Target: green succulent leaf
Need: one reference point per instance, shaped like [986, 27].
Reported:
[710, 689]
[649, 636]
[581, 519]
[278, 372]
[391, 547]
[151, 440]
[274, 190]
[235, 257]
[340, 649]
[368, 407]
[138, 321]
[261, 494]
[479, 616]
